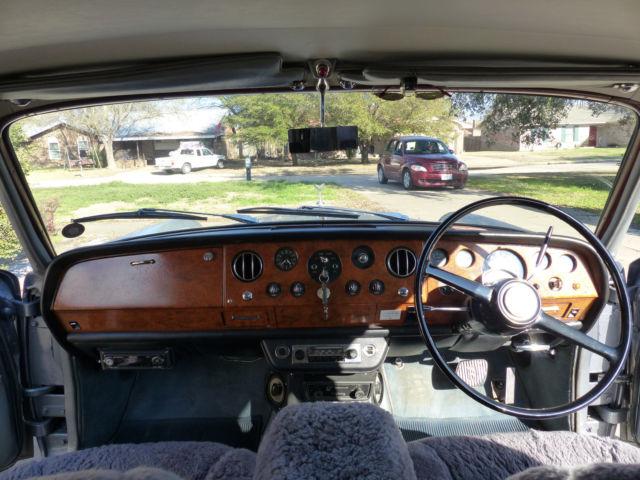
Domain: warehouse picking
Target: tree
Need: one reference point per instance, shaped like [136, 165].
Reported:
[377, 118]
[108, 122]
[21, 145]
[264, 119]
[528, 117]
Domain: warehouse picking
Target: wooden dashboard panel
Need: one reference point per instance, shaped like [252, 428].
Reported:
[196, 290]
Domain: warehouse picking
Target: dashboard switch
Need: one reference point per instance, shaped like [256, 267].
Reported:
[298, 289]
[352, 288]
[247, 296]
[274, 289]
[403, 292]
[376, 287]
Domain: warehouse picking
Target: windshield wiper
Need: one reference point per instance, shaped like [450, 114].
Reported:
[319, 212]
[388, 216]
[76, 227]
[322, 211]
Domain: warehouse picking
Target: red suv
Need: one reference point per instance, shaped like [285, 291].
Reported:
[419, 161]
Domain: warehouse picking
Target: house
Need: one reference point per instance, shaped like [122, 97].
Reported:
[62, 145]
[142, 143]
[579, 128]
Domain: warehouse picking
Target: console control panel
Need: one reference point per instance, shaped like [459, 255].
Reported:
[358, 354]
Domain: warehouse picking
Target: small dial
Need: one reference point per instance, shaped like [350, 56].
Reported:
[363, 257]
[352, 288]
[376, 287]
[545, 261]
[327, 262]
[297, 289]
[286, 258]
[464, 258]
[567, 263]
[439, 257]
[274, 289]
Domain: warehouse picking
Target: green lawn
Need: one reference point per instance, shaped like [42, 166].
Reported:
[213, 197]
[588, 192]
[582, 154]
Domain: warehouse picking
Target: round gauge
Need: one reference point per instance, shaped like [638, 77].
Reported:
[501, 265]
[286, 258]
[439, 257]
[566, 263]
[544, 263]
[325, 262]
[464, 258]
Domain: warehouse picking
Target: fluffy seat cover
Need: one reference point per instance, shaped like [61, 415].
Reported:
[188, 460]
[500, 455]
[333, 441]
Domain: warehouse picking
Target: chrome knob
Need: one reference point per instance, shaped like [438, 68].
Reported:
[247, 295]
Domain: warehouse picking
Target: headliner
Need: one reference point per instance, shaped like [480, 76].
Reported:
[41, 34]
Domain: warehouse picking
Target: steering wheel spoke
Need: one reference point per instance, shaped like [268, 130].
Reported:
[471, 288]
[552, 325]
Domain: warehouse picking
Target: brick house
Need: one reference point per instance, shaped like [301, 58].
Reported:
[579, 128]
[62, 145]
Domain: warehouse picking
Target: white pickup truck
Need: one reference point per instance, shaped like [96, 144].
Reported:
[185, 159]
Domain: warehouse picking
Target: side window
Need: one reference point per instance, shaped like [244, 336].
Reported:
[198, 153]
[54, 150]
[410, 147]
[442, 148]
[206, 151]
[390, 146]
[398, 149]
[83, 148]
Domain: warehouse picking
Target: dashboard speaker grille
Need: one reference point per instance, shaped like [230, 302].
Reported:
[247, 266]
[401, 262]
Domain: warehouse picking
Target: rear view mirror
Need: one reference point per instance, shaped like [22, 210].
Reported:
[323, 139]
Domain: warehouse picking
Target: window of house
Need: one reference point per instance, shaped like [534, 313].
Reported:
[54, 150]
[83, 148]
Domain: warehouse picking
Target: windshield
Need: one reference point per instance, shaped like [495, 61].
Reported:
[414, 160]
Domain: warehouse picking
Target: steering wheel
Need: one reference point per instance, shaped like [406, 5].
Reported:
[513, 306]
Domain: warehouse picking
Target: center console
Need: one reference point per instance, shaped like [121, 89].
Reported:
[329, 369]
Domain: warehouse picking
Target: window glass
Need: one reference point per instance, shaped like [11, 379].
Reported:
[54, 150]
[564, 151]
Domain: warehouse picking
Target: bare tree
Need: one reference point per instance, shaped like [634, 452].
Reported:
[109, 122]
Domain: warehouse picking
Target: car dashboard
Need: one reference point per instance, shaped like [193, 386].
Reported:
[270, 281]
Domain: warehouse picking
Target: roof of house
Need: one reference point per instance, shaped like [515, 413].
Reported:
[189, 124]
[582, 115]
[185, 125]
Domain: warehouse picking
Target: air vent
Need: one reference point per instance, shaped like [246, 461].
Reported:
[401, 262]
[247, 266]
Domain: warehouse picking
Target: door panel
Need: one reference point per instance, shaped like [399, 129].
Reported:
[12, 430]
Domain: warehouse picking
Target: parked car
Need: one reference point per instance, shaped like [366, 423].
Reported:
[185, 159]
[418, 161]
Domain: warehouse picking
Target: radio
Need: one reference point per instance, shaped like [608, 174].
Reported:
[326, 353]
[356, 354]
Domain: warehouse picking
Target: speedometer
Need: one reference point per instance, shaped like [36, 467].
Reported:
[501, 265]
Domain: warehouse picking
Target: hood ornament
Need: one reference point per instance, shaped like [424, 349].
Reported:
[319, 189]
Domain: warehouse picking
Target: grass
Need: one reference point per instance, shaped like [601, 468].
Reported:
[214, 197]
[581, 154]
[580, 191]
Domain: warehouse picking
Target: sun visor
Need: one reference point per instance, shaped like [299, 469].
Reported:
[466, 74]
[202, 74]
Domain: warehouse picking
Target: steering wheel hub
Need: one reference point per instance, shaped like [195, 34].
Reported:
[519, 303]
